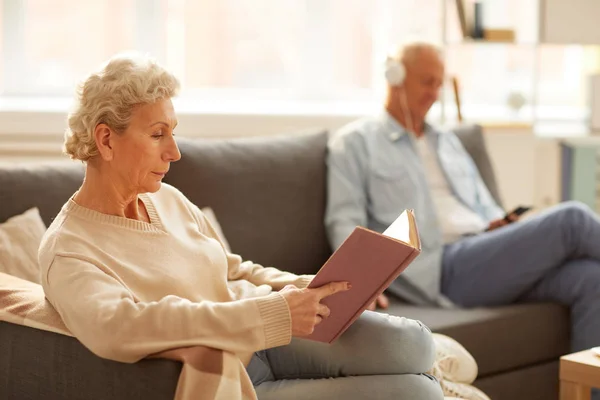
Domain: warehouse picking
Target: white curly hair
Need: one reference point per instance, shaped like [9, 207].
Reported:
[109, 97]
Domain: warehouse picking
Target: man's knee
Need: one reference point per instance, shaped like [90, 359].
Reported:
[574, 210]
[576, 283]
[570, 215]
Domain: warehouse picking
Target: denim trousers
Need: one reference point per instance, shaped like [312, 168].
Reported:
[378, 357]
[551, 257]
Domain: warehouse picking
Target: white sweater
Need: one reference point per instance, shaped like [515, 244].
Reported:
[127, 289]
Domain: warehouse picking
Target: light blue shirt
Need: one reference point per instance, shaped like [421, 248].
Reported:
[375, 172]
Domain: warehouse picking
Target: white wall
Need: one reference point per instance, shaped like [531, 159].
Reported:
[569, 21]
[527, 167]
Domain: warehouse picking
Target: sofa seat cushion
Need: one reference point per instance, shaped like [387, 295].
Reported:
[503, 338]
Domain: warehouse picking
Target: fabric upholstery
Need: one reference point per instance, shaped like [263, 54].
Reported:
[37, 364]
[538, 382]
[23, 302]
[471, 137]
[45, 186]
[20, 237]
[268, 193]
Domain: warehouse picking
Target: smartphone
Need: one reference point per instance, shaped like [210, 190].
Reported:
[517, 211]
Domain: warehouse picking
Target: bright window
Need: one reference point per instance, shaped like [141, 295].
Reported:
[301, 51]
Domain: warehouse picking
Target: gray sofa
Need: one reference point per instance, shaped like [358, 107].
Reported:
[269, 197]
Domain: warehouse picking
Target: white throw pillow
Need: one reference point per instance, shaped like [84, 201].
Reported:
[212, 219]
[20, 238]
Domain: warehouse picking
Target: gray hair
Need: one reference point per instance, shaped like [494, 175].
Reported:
[109, 97]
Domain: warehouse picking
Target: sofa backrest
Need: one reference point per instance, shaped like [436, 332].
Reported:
[268, 194]
[46, 186]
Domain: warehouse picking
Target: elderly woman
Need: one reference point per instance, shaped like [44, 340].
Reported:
[133, 267]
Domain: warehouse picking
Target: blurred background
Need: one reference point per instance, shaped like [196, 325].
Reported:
[311, 54]
[263, 67]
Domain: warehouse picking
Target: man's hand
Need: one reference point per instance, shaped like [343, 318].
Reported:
[306, 308]
[497, 223]
[381, 301]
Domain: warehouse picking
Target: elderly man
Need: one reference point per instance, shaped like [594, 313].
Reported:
[471, 256]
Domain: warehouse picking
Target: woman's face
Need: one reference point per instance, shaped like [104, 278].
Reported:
[143, 153]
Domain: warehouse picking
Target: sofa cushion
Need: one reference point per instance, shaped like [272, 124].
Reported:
[268, 193]
[503, 338]
[471, 137]
[20, 238]
[23, 302]
[46, 186]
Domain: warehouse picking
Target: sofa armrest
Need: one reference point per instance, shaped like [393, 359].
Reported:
[37, 364]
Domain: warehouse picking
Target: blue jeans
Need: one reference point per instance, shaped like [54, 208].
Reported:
[554, 256]
[378, 357]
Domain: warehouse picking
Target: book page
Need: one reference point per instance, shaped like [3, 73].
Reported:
[404, 229]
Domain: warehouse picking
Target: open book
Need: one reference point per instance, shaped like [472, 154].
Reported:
[370, 261]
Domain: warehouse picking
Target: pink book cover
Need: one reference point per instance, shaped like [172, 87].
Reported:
[370, 261]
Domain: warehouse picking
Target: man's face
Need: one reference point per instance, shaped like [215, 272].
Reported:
[424, 77]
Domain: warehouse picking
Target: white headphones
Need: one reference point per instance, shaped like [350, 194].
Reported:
[394, 72]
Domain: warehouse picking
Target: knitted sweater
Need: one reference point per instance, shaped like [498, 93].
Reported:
[127, 289]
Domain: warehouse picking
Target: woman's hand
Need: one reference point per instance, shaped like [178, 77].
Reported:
[305, 305]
